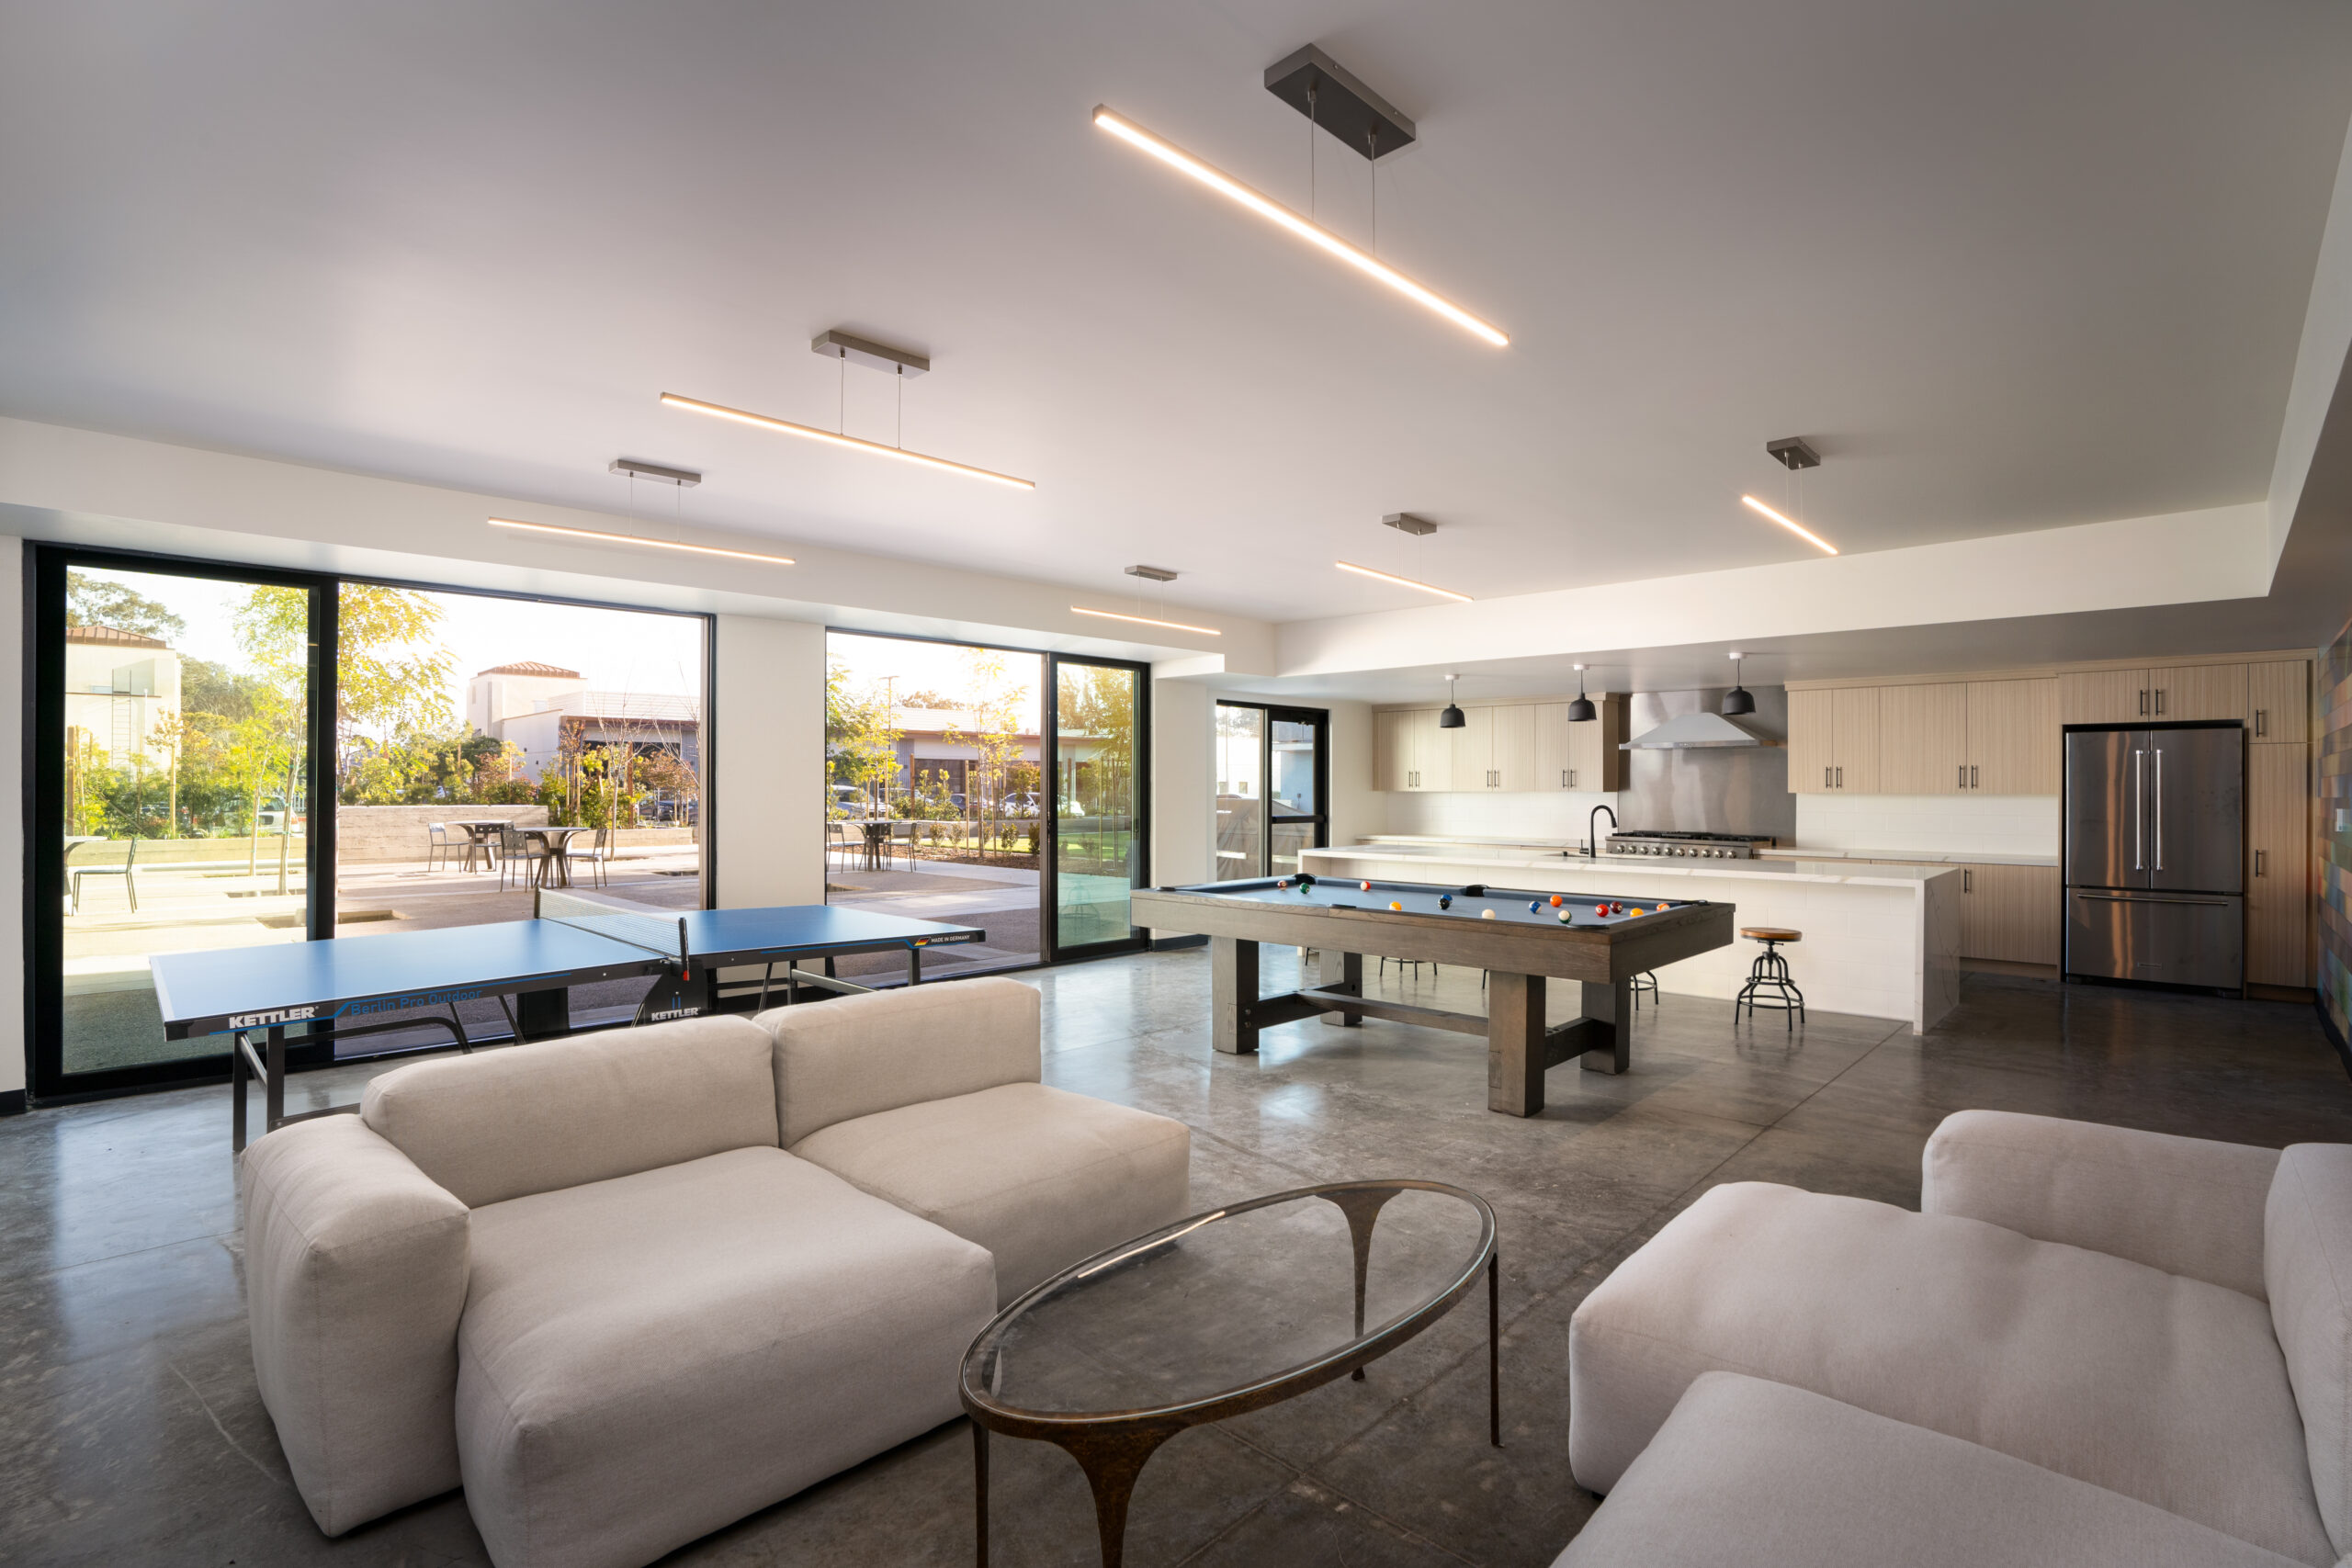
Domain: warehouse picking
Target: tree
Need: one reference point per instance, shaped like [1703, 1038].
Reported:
[99, 601]
[860, 734]
[390, 677]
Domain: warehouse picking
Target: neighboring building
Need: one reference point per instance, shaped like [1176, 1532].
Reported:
[923, 747]
[119, 686]
[533, 706]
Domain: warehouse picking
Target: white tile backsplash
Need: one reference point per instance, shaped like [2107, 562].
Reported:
[1952, 824]
[1552, 814]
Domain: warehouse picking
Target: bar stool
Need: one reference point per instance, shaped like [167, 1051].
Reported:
[1645, 982]
[1769, 977]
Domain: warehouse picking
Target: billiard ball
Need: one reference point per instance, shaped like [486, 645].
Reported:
[1395, 905]
[1283, 883]
[1485, 914]
[1365, 886]
[1306, 881]
[1445, 900]
[1557, 901]
[1566, 916]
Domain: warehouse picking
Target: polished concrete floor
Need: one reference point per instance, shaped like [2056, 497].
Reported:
[131, 1432]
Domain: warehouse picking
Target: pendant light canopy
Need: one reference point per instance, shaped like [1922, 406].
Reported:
[1582, 711]
[1451, 718]
[1738, 700]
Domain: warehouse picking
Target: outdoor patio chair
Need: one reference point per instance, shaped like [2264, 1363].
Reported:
[125, 870]
[596, 857]
[436, 842]
[837, 843]
[516, 853]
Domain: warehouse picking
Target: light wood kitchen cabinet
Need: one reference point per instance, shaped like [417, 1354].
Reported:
[1514, 748]
[1834, 740]
[1411, 752]
[2278, 879]
[2013, 737]
[1473, 748]
[1923, 739]
[2198, 691]
[1581, 756]
[2009, 913]
[2102, 696]
[1494, 750]
[2278, 703]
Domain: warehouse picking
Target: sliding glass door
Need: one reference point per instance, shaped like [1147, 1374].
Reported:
[177, 731]
[1272, 786]
[1096, 822]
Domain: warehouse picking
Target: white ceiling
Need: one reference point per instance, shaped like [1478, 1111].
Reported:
[2012, 266]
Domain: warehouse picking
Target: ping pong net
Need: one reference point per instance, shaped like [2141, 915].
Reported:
[659, 931]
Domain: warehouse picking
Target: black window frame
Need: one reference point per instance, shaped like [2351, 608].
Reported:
[1284, 713]
[45, 564]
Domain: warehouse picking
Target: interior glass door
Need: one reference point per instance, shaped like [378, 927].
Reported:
[1097, 831]
[174, 744]
[1240, 791]
[1298, 768]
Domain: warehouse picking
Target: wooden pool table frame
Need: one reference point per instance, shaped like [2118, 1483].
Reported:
[1518, 957]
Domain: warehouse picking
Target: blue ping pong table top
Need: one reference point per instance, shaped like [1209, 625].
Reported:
[351, 977]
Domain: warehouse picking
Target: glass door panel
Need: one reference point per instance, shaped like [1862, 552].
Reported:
[1097, 836]
[183, 795]
[1240, 792]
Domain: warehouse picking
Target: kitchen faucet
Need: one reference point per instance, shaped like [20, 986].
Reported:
[1592, 834]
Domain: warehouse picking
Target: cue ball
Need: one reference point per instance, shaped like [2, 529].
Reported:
[1395, 905]
[1485, 914]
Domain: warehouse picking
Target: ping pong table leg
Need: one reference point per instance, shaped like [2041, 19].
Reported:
[237, 1075]
[274, 1097]
[914, 964]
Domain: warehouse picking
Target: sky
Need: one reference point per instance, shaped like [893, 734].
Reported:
[615, 651]
[941, 667]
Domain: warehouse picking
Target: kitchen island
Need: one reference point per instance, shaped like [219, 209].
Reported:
[1882, 940]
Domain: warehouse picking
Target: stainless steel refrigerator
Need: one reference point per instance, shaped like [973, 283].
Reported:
[2155, 854]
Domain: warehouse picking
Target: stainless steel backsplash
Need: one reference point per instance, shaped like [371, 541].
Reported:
[1733, 790]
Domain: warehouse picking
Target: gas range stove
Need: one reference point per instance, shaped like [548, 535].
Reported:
[1696, 846]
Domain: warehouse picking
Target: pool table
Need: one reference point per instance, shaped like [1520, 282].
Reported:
[1519, 939]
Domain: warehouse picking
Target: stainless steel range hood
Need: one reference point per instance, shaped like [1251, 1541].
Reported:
[1692, 731]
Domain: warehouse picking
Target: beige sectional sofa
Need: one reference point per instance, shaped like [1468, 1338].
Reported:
[630, 1287]
[2092, 1345]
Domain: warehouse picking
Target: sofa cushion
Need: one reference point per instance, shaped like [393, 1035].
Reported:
[2165, 1389]
[2307, 1264]
[1040, 1176]
[646, 1359]
[1753, 1475]
[354, 1280]
[854, 1056]
[499, 1124]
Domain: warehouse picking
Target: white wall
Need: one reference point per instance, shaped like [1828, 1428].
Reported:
[1356, 807]
[1919, 823]
[1562, 814]
[1184, 804]
[767, 742]
[12, 815]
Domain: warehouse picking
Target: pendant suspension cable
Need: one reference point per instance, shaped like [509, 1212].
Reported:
[840, 415]
[1371, 153]
[1310, 147]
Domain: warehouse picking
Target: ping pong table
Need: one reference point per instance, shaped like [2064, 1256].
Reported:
[347, 987]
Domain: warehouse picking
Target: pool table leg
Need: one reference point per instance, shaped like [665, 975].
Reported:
[1515, 1043]
[1341, 972]
[1233, 992]
[1609, 1002]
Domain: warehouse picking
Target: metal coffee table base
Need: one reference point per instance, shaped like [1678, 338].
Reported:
[1112, 1449]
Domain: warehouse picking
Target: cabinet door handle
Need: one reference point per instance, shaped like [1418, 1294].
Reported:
[1841, 778]
[1825, 778]
[2261, 726]
[2160, 702]
[1967, 880]
[2258, 870]
[1972, 777]
[1961, 781]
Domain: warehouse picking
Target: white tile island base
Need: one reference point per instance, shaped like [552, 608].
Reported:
[1884, 944]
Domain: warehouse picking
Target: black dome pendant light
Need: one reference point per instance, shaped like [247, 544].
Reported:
[1582, 711]
[1451, 718]
[1738, 700]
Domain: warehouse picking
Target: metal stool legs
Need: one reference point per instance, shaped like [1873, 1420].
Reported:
[1645, 982]
[1769, 986]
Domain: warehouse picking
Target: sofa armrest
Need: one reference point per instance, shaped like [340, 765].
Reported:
[355, 1270]
[2188, 1206]
[859, 1056]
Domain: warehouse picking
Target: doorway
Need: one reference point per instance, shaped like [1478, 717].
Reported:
[1272, 787]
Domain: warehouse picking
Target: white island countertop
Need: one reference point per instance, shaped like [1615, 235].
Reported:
[1881, 940]
[1922, 857]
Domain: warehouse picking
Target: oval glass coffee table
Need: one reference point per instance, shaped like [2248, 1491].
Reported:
[1223, 1313]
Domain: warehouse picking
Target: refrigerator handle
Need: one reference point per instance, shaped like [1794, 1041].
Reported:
[2139, 827]
[2160, 803]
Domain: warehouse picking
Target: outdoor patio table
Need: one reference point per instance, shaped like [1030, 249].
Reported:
[481, 834]
[555, 870]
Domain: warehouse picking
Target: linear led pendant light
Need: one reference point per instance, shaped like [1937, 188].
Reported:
[1152, 574]
[1420, 528]
[1795, 453]
[597, 538]
[1281, 216]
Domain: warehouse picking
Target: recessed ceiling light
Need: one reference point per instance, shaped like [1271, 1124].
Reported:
[763, 422]
[1274, 212]
[592, 535]
[1400, 582]
[1145, 621]
[1799, 529]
